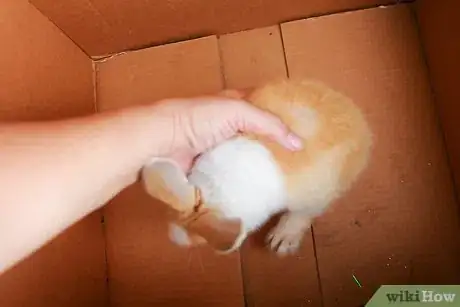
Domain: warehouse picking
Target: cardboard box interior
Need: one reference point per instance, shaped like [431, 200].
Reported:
[398, 225]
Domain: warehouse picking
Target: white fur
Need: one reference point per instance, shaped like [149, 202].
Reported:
[178, 235]
[242, 179]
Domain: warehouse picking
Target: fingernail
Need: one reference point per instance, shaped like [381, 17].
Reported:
[294, 142]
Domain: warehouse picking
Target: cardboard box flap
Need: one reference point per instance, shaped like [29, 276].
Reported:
[438, 21]
[103, 27]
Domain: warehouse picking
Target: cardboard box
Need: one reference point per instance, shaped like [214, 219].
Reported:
[398, 225]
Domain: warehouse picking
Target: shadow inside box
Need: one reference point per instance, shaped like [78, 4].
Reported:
[258, 239]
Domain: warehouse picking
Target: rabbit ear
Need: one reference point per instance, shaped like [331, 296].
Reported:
[164, 179]
[224, 235]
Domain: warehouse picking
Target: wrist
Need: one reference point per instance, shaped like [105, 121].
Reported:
[147, 132]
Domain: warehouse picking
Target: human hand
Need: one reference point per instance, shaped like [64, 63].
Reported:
[192, 126]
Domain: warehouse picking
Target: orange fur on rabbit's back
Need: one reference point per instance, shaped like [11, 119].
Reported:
[336, 138]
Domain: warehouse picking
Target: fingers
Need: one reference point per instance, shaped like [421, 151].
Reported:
[254, 120]
[232, 94]
[235, 94]
[184, 160]
[264, 123]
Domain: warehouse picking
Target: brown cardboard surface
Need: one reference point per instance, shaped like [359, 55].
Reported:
[109, 26]
[43, 76]
[438, 22]
[399, 224]
[69, 271]
[183, 69]
[145, 268]
[250, 59]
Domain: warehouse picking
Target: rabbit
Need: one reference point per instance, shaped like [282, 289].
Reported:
[237, 186]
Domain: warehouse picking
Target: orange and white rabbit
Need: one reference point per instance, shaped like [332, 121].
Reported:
[234, 188]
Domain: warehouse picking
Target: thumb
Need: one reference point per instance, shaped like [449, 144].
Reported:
[265, 123]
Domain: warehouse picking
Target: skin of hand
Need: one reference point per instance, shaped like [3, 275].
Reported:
[199, 124]
[52, 174]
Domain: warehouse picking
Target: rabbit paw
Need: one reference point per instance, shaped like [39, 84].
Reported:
[287, 236]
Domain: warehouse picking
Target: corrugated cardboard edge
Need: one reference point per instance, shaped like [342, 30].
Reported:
[107, 57]
[101, 28]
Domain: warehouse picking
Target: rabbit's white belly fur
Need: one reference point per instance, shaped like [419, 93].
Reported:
[241, 178]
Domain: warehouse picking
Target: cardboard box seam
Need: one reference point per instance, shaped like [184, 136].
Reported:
[94, 76]
[221, 63]
[286, 66]
[152, 45]
[439, 121]
[102, 59]
[61, 30]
